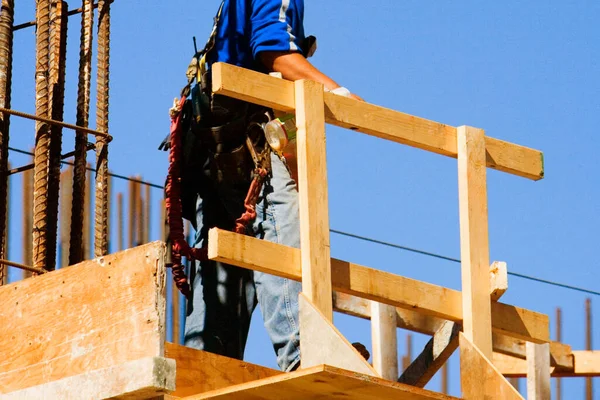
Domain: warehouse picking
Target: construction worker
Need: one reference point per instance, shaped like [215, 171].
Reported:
[265, 36]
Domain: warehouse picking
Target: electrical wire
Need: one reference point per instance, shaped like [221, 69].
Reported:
[370, 240]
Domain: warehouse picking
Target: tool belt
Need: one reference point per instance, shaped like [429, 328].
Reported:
[221, 147]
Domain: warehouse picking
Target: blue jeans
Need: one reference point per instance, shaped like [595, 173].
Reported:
[224, 296]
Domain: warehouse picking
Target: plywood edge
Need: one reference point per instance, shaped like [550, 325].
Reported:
[138, 379]
[201, 371]
[321, 342]
[480, 379]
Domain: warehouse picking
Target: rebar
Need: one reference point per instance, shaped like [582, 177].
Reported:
[120, 221]
[22, 266]
[56, 89]
[27, 229]
[6, 42]
[54, 122]
[27, 167]
[42, 138]
[70, 13]
[5, 251]
[66, 186]
[101, 213]
[83, 108]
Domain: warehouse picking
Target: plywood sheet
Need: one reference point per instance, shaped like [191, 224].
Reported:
[322, 382]
[200, 371]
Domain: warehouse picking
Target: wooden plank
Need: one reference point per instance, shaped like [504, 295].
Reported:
[323, 343]
[586, 364]
[353, 279]
[538, 371]
[313, 198]
[322, 382]
[138, 379]
[478, 376]
[433, 357]
[474, 245]
[561, 355]
[374, 120]
[384, 340]
[103, 312]
[405, 319]
[200, 371]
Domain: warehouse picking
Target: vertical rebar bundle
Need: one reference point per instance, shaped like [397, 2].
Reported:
[42, 138]
[83, 109]
[102, 198]
[6, 42]
[56, 89]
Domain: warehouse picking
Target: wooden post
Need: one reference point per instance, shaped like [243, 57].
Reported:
[538, 371]
[313, 198]
[407, 359]
[558, 383]
[477, 322]
[384, 340]
[445, 378]
[589, 385]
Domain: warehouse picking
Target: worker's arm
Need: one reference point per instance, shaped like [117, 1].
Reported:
[293, 67]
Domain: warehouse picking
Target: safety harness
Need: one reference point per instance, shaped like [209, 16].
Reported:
[201, 98]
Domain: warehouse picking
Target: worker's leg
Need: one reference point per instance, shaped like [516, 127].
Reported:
[223, 297]
[278, 221]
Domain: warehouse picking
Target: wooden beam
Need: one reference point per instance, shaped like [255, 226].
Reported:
[415, 321]
[313, 199]
[372, 284]
[384, 340]
[103, 312]
[322, 343]
[374, 120]
[405, 319]
[474, 245]
[138, 379]
[538, 371]
[585, 364]
[321, 382]
[561, 355]
[201, 371]
[479, 377]
[434, 355]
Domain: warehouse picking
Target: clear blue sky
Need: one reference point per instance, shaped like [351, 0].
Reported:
[526, 72]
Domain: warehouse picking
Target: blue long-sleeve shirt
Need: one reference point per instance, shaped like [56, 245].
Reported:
[248, 27]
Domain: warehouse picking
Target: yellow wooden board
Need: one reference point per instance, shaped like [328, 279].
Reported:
[322, 382]
[90, 316]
